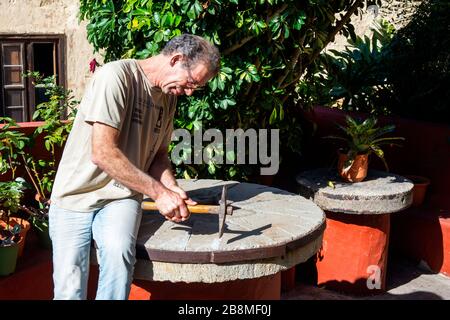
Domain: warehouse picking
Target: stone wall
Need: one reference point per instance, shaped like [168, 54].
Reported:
[397, 12]
[53, 17]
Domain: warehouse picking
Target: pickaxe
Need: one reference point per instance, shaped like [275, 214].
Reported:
[223, 209]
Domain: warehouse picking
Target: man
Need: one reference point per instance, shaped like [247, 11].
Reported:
[122, 130]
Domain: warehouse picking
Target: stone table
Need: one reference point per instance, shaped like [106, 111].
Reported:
[271, 230]
[353, 257]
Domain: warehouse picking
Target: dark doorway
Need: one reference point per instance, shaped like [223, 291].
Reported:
[44, 62]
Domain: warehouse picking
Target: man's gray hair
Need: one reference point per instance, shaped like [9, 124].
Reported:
[195, 49]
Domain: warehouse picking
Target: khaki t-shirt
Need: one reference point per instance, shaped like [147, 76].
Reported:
[120, 96]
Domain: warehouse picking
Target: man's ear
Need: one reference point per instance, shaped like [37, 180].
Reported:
[175, 58]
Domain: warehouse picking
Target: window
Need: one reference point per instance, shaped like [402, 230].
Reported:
[18, 54]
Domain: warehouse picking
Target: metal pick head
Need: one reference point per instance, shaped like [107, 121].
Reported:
[222, 210]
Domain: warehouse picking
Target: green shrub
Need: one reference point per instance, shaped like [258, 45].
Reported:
[404, 73]
[12, 143]
[354, 79]
[419, 64]
[266, 45]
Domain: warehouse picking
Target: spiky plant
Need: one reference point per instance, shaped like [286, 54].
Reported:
[364, 137]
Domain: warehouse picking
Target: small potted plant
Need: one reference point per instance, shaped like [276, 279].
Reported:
[9, 249]
[361, 138]
[12, 230]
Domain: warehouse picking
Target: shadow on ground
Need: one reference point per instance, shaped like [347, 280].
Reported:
[406, 280]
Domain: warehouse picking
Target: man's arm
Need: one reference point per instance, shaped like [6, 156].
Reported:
[161, 170]
[108, 157]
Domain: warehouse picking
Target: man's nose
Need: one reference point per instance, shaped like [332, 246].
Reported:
[188, 91]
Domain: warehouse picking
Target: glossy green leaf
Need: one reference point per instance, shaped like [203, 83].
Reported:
[273, 116]
[158, 36]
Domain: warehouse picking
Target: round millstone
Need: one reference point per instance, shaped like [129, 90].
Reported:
[270, 230]
[380, 193]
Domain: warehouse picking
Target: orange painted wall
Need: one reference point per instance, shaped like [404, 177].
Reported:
[265, 288]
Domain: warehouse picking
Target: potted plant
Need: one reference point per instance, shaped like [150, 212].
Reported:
[15, 149]
[9, 249]
[12, 143]
[361, 138]
[12, 230]
[39, 220]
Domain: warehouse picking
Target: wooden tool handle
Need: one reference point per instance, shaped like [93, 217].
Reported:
[199, 208]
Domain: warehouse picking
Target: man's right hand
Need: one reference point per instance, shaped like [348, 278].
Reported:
[172, 206]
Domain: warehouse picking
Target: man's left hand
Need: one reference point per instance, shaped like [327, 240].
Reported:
[183, 195]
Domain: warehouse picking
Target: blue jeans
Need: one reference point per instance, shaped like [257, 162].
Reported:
[114, 229]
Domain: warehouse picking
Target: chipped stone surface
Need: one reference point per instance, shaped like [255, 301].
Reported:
[379, 193]
[263, 217]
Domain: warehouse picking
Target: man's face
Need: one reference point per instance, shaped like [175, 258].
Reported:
[181, 80]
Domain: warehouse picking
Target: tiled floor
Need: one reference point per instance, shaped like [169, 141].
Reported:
[32, 276]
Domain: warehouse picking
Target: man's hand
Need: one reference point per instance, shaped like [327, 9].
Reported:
[182, 194]
[172, 203]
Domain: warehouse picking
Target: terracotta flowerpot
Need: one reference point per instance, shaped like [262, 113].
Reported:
[419, 190]
[25, 226]
[358, 170]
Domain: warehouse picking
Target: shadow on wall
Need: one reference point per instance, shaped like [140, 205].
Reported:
[418, 232]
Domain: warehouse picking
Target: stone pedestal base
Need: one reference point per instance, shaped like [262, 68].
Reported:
[264, 288]
[288, 280]
[354, 251]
